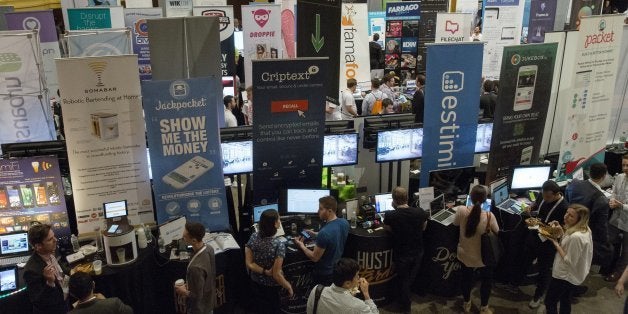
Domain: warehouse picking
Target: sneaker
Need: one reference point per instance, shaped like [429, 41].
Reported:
[486, 310]
[534, 303]
[467, 306]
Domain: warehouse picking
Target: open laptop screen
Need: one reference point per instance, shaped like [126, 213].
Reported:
[8, 279]
[14, 243]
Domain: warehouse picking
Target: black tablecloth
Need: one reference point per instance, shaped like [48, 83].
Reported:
[297, 269]
[513, 231]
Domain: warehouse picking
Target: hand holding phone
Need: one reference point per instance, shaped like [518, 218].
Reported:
[306, 235]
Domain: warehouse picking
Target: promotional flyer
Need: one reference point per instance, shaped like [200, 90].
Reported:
[289, 125]
[24, 114]
[185, 151]
[524, 94]
[261, 27]
[501, 27]
[450, 128]
[105, 137]
[588, 113]
[135, 20]
[31, 190]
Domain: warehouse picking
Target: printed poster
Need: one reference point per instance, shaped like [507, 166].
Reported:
[542, 15]
[99, 43]
[501, 27]
[227, 46]
[135, 20]
[105, 137]
[453, 27]
[185, 151]
[261, 27]
[402, 35]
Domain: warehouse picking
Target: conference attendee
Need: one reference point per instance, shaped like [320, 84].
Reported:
[81, 287]
[230, 119]
[551, 207]
[376, 53]
[572, 261]
[488, 99]
[236, 25]
[477, 34]
[418, 99]
[619, 287]
[43, 273]
[200, 286]
[264, 254]
[248, 107]
[388, 107]
[330, 241]
[388, 82]
[338, 297]
[618, 225]
[348, 109]
[406, 225]
[473, 223]
[238, 110]
[589, 194]
[374, 96]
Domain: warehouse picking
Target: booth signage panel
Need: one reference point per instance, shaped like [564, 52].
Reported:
[227, 46]
[453, 27]
[99, 43]
[542, 15]
[135, 19]
[501, 27]
[354, 60]
[261, 29]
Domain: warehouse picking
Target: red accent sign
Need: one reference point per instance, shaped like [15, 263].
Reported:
[288, 106]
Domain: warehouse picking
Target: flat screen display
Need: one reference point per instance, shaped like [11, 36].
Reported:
[14, 243]
[237, 157]
[115, 209]
[483, 138]
[529, 177]
[340, 150]
[383, 202]
[258, 210]
[302, 201]
[393, 145]
[452, 182]
[8, 279]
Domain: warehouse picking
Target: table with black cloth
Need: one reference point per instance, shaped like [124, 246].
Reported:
[512, 233]
[297, 269]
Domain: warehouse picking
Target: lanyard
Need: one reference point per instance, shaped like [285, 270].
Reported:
[195, 255]
[552, 209]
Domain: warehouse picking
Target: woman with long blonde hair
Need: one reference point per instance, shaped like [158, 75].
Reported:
[573, 259]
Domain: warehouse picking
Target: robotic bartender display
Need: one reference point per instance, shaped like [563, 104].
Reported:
[119, 238]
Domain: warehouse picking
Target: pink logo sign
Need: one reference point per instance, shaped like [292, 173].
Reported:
[261, 16]
[451, 27]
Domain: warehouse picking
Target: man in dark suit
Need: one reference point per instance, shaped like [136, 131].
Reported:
[589, 194]
[43, 274]
[200, 287]
[82, 288]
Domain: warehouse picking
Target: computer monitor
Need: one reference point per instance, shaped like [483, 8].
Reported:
[383, 202]
[452, 182]
[8, 279]
[115, 209]
[483, 138]
[340, 150]
[529, 177]
[14, 244]
[486, 206]
[303, 201]
[258, 210]
[237, 157]
[403, 144]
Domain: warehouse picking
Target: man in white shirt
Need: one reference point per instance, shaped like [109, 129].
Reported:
[248, 107]
[338, 297]
[618, 224]
[348, 109]
[230, 119]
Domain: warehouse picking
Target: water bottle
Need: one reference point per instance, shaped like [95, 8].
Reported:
[149, 236]
[99, 244]
[162, 245]
[75, 243]
[354, 220]
[141, 238]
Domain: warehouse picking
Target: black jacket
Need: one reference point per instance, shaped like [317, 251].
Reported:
[45, 299]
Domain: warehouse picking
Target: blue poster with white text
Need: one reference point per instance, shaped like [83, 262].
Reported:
[449, 130]
[185, 153]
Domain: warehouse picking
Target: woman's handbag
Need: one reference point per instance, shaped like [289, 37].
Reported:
[492, 248]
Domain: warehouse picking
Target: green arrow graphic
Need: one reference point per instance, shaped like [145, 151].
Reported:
[318, 41]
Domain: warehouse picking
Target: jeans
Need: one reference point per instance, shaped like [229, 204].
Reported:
[617, 242]
[559, 291]
[486, 275]
[407, 268]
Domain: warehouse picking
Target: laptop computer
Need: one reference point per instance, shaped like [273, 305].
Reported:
[8, 279]
[257, 213]
[502, 201]
[14, 248]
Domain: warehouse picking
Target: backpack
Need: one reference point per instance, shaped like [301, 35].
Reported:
[377, 106]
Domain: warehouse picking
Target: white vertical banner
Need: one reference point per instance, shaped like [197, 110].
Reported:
[354, 46]
[138, 4]
[589, 105]
[501, 27]
[453, 27]
[618, 128]
[24, 109]
[105, 137]
[261, 27]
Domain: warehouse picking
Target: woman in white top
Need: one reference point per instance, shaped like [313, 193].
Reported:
[473, 223]
[572, 261]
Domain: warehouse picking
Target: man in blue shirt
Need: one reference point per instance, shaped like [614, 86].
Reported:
[330, 241]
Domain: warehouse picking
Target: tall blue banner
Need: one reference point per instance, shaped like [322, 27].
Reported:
[185, 153]
[289, 125]
[451, 123]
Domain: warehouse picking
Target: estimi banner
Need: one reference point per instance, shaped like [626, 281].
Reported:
[289, 125]
[261, 25]
[101, 102]
[588, 111]
[524, 94]
[183, 137]
[450, 127]
[355, 61]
